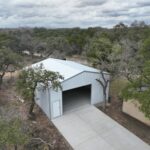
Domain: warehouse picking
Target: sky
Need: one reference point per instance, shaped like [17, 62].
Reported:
[72, 13]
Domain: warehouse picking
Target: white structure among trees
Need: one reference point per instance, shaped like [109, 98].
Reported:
[79, 87]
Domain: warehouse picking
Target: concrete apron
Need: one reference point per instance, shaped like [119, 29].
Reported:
[87, 128]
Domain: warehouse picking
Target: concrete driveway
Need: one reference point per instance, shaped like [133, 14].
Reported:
[87, 128]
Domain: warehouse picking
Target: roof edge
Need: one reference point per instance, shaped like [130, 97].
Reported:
[83, 72]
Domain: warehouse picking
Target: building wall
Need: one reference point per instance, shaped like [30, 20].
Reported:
[56, 97]
[48, 99]
[131, 108]
[87, 78]
[42, 98]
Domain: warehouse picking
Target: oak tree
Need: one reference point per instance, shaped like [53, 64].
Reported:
[102, 54]
[138, 87]
[7, 59]
[30, 77]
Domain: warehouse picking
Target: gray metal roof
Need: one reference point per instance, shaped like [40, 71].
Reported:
[66, 68]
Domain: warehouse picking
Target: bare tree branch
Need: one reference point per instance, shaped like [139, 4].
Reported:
[42, 141]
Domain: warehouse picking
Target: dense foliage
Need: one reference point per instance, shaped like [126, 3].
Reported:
[11, 133]
[9, 61]
[99, 53]
[139, 86]
[69, 41]
[139, 90]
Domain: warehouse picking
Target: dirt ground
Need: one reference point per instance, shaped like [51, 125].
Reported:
[133, 125]
[40, 128]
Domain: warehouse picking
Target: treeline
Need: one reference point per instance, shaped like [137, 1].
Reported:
[61, 42]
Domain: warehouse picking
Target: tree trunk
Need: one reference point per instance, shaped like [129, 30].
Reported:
[31, 107]
[31, 114]
[1, 81]
[32, 102]
[104, 86]
[105, 100]
[2, 75]
[15, 147]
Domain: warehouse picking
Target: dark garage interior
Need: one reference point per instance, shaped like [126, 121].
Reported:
[75, 98]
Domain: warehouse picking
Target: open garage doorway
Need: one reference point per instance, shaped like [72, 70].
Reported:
[75, 98]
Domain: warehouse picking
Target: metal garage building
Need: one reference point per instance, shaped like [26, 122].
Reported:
[79, 87]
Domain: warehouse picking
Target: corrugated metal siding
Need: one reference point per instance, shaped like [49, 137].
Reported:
[43, 100]
[56, 96]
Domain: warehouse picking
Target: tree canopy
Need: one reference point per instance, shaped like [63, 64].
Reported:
[8, 60]
[100, 52]
[69, 41]
[139, 86]
[139, 90]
